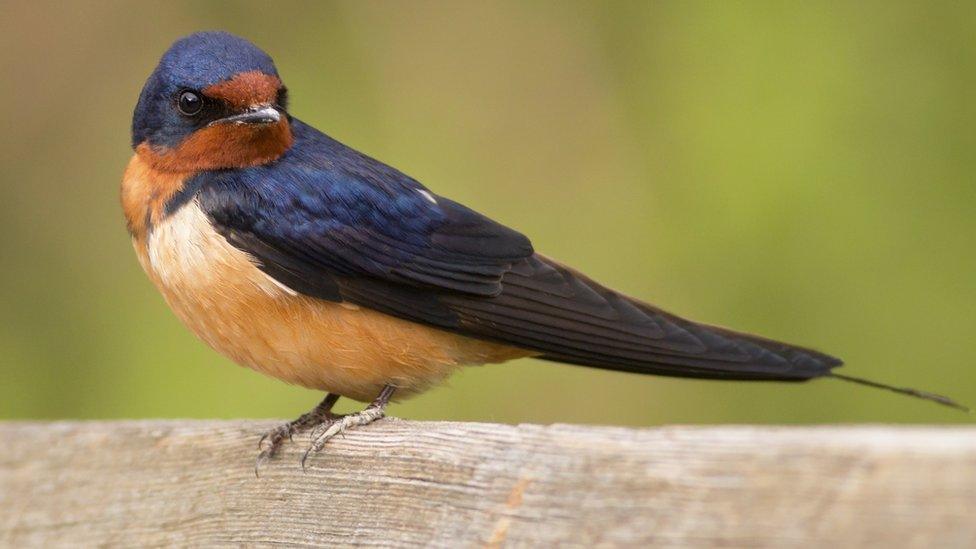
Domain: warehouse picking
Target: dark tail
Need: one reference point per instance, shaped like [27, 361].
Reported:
[564, 316]
[924, 395]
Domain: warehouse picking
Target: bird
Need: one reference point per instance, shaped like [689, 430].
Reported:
[306, 260]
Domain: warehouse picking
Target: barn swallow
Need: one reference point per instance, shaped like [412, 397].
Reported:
[299, 257]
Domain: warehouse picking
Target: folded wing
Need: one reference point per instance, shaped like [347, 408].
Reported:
[353, 229]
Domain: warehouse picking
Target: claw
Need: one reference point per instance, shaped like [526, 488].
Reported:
[263, 458]
[324, 425]
[257, 464]
[275, 437]
[372, 413]
[265, 454]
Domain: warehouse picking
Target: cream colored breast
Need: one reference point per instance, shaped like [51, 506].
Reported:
[188, 255]
[241, 312]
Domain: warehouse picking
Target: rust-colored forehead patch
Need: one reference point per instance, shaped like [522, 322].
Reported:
[246, 89]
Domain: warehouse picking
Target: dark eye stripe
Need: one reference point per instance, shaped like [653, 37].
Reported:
[282, 99]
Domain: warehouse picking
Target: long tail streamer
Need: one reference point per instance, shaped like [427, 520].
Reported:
[939, 399]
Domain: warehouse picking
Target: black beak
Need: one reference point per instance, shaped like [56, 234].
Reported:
[256, 115]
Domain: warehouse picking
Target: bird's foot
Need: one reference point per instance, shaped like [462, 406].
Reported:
[273, 440]
[323, 433]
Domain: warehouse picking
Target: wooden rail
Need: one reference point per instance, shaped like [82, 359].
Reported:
[402, 483]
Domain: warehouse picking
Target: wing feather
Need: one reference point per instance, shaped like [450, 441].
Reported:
[340, 226]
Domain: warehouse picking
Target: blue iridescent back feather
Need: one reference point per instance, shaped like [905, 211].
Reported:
[332, 223]
[353, 215]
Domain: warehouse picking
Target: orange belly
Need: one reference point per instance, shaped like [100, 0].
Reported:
[244, 314]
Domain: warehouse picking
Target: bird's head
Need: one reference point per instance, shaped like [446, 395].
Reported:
[214, 101]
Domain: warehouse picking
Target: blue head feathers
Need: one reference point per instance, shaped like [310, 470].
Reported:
[192, 63]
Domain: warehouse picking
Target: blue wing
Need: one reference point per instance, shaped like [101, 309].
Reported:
[325, 209]
[332, 223]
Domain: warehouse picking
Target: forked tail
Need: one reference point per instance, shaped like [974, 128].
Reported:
[564, 316]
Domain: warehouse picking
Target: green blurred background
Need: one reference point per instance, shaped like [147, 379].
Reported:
[800, 170]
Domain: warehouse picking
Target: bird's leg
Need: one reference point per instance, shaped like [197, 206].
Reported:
[322, 413]
[370, 414]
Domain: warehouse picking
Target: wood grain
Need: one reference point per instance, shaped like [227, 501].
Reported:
[401, 483]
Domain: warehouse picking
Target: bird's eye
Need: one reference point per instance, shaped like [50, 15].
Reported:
[190, 103]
